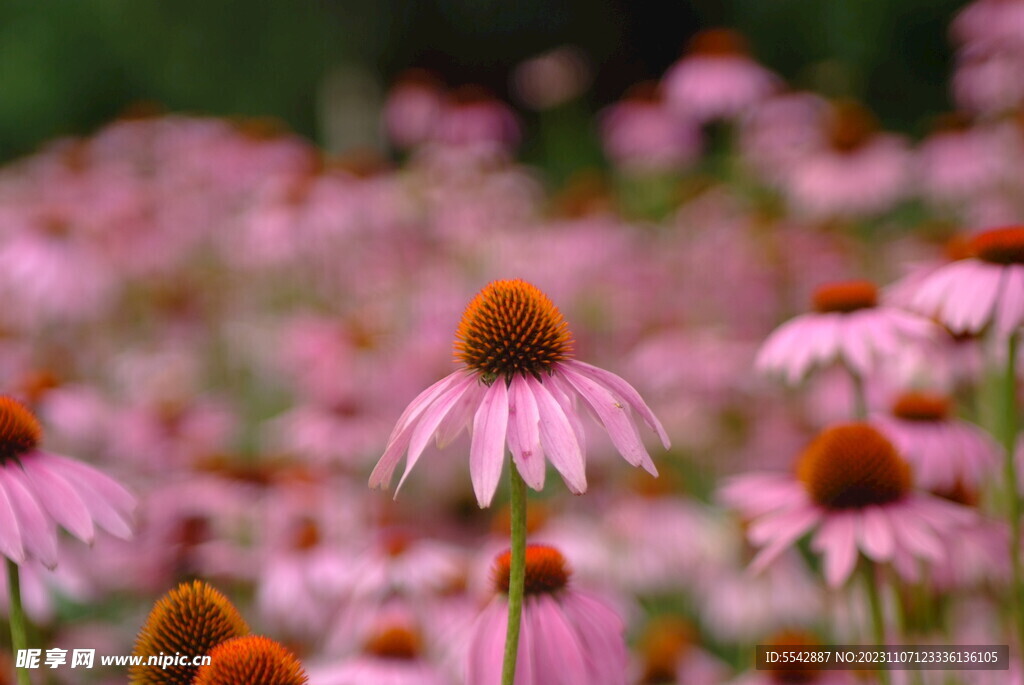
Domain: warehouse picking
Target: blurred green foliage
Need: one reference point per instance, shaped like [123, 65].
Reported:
[67, 66]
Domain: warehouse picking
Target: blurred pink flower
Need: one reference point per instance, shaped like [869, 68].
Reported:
[999, 22]
[519, 387]
[848, 326]
[640, 134]
[986, 289]
[40, 491]
[779, 131]
[958, 161]
[987, 79]
[855, 491]
[552, 78]
[566, 635]
[854, 171]
[949, 456]
[412, 108]
[717, 79]
[473, 117]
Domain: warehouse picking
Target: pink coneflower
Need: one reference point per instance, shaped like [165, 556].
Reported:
[986, 289]
[958, 161]
[987, 78]
[393, 653]
[552, 78]
[641, 134]
[949, 456]
[999, 22]
[855, 491]
[717, 78]
[473, 117]
[40, 490]
[412, 108]
[847, 326]
[566, 635]
[519, 387]
[854, 171]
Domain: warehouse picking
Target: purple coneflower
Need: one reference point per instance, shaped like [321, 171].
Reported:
[950, 457]
[848, 326]
[519, 387]
[985, 289]
[566, 635]
[40, 490]
[717, 78]
[855, 490]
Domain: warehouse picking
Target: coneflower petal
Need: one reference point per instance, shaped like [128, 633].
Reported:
[39, 532]
[430, 420]
[613, 414]
[60, 500]
[524, 433]
[624, 390]
[10, 530]
[487, 449]
[558, 439]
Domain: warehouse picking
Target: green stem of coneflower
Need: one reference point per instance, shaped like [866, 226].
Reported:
[860, 397]
[1008, 433]
[516, 573]
[877, 615]
[19, 626]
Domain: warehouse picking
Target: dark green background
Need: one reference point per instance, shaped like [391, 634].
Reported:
[67, 66]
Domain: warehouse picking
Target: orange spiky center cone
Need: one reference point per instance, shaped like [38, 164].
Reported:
[191, 619]
[547, 571]
[845, 296]
[20, 431]
[999, 245]
[251, 660]
[512, 327]
[851, 466]
[921, 406]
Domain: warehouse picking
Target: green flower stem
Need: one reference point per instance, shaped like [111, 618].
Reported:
[19, 626]
[1008, 435]
[860, 397]
[877, 617]
[516, 575]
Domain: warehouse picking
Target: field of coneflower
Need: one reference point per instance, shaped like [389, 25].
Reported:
[753, 381]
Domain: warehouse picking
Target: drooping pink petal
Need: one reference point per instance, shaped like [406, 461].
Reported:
[59, 499]
[796, 524]
[524, 433]
[460, 417]
[400, 435]
[566, 398]
[624, 390]
[10, 530]
[430, 420]
[876, 537]
[600, 632]
[613, 414]
[836, 540]
[39, 533]
[558, 439]
[1009, 313]
[108, 502]
[558, 649]
[487, 449]
[486, 644]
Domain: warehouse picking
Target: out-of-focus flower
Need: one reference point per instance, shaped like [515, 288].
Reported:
[958, 161]
[855, 491]
[552, 78]
[519, 386]
[40, 491]
[640, 134]
[566, 635]
[670, 654]
[849, 326]
[412, 108]
[779, 131]
[986, 80]
[717, 78]
[854, 171]
[793, 673]
[472, 117]
[393, 653]
[950, 457]
[999, 22]
[986, 289]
